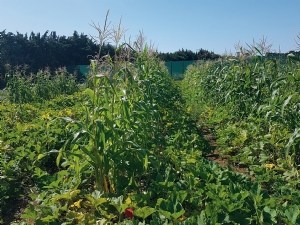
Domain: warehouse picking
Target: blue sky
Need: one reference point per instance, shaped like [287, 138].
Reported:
[215, 25]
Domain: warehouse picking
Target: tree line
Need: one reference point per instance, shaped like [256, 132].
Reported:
[48, 50]
[183, 55]
[36, 51]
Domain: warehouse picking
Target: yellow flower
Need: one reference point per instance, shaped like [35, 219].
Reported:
[181, 218]
[169, 124]
[269, 165]
[80, 216]
[77, 204]
[46, 116]
[68, 112]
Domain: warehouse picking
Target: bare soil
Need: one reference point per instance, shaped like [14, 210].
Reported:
[215, 154]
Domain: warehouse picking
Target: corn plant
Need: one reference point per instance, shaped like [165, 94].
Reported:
[116, 129]
[40, 87]
[19, 88]
[253, 89]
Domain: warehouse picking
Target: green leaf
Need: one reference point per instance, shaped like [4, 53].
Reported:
[165, 213]
[146, 162]
[191, 160]
[59, 156]
[89, 92]
[67, 196]
[272, 213]
[181, 196]
[292, 214]
[144, 212]
[29, 213]
[118, 204]
[285, 104]
[49, 218]
[40, 156]
[176, 215]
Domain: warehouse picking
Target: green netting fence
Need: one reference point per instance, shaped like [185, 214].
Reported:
[84, 69]
[81, 71]
[175, 68]
[178, 68]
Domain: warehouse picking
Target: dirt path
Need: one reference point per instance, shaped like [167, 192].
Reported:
[215, 154]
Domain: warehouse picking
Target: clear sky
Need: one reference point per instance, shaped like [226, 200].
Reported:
[215, 25]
